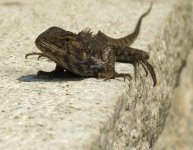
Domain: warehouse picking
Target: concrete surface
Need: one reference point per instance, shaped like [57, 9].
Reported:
[178, 131]
[88, 114]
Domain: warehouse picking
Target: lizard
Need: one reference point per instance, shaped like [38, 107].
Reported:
[91, 55]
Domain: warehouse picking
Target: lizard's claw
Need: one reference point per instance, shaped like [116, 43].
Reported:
[108, 76]
[39, 55]
[125, 76]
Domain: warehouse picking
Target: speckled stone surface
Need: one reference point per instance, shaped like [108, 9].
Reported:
[178, 131]
[88, 114]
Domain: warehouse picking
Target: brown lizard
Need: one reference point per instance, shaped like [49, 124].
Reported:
[89, 55]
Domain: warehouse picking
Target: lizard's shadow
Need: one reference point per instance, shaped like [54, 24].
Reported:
[35, 78]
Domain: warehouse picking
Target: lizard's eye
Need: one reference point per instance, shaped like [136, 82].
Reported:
[67, 39]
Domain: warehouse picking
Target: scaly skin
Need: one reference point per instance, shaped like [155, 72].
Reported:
[89, 55]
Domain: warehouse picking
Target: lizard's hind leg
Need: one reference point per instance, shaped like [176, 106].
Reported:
[135, 56]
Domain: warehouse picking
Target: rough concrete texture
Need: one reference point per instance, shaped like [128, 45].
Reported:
[178, 131]
[88, 114]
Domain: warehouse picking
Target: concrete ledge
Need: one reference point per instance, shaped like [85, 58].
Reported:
[178, 131]
[88, 114]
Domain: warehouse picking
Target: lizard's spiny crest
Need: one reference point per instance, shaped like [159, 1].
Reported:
[87, 33]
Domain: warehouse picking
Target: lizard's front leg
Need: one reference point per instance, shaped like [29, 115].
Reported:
[135, 56]
[58, 72]
[108, 58]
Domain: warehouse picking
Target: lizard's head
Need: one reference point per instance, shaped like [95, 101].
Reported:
[58, 41]
[63, 47]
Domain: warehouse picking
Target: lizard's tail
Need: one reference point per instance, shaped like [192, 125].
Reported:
[129, 39]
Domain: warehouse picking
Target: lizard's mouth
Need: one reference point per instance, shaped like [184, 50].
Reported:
[48, 51]
[47, 48]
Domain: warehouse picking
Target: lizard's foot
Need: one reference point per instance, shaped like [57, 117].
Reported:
[111, 75]
[124, 75]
